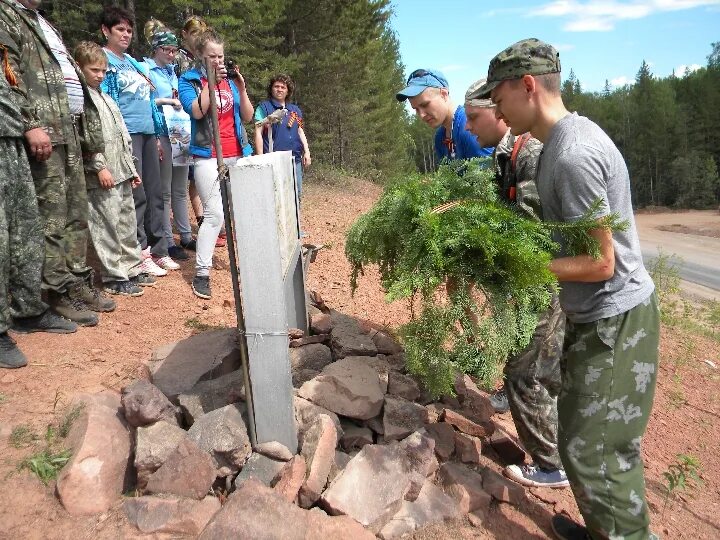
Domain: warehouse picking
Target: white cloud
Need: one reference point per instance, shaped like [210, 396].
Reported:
[622, 80]
[682, 68]
[602, 15]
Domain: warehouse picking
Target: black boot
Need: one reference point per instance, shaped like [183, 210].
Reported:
[45, 322]
[10, 356]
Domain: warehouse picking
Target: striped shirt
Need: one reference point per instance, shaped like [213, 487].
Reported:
[76, 99]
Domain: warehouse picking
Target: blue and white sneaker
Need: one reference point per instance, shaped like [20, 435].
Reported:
[533, 476]
[499, 401]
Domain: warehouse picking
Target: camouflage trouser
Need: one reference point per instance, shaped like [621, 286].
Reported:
[113, 231]
[62, 198]
[21, 237]
[609, 368]
[532, 383]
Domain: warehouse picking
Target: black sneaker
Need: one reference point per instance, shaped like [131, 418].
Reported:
[10, 356]
[190, 245]
[201, 287]
[499, 401]
[567, 529]
[123, 288]
[178, 253]
[91, 297]
[144, 280]
[45, 322]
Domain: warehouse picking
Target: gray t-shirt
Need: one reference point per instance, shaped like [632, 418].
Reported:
[580, 164]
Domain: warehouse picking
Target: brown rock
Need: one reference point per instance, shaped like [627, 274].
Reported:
[385, 344]
[170, 515]
[477, 519]
[314, 356]
[341, 461]
[372, 486]
[379, 364]
[177, 367]
[403, 386]
[451, 401]
[288, 481]
[222, 433]
[301, 376]
[154, 445]
[502, 489]
[355, 437]
[321, 323]
[295, 333]
[306, 412]
[94, 478]
[274, 450]
[507, 448]
[468, 448]
[260, 468]
[466, 425]
[477, 401]
[256, 512]
[348, 339]
[309, 340]
[145, 404]
[402, 417]
[346, 387]
[187, 472]
[444, 436]
[318, 449]
[435, 411]
[432, 505]
[376, 424]
[465, 486]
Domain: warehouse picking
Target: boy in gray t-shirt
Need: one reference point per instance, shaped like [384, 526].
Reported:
[610, 355]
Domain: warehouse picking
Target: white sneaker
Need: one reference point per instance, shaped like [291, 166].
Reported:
[145, 253]
[148, 266]
[165, 262]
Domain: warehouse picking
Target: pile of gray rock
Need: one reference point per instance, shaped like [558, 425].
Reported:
[377, 457]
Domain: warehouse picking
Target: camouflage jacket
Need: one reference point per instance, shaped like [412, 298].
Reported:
[527, 198]
[40, 89]
[11, 120]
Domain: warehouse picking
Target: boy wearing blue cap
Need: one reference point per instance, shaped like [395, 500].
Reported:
[429, 97]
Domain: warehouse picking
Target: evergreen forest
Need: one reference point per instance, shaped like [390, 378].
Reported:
[345, 60]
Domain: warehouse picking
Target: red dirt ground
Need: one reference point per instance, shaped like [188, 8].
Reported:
[685, 419]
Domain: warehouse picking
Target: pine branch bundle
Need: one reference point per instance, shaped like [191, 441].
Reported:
[419, 242]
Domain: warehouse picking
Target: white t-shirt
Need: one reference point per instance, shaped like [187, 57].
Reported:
[76, 98]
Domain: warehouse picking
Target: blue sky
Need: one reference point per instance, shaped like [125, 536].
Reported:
[598, 39]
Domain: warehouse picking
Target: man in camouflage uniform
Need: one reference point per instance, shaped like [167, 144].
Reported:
[532, 378]
[21, 240]
[610, 353]
[52, 133]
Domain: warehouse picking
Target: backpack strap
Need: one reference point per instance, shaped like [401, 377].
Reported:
[517, 146]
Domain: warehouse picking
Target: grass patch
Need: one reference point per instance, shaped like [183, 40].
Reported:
[22, 436]
[197, 324]
[67, 421]
[46, 464]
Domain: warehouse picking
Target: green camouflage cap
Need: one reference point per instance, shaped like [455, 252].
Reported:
[526, 57]
[475, 101]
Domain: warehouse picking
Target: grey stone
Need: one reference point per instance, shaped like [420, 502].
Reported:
[154, 444]
[256, 512]
[355, 437]
[401, 417]
[432, 505]
[379, 364]
[210, 395]
[403, 386]
[187, 472]
[167, 515]
[338, 466]
[347, 338]
[376, 424]
[318, 448]
[346, 387]
[385, 343]
[301, 376]
[274, 450]
[260, 468]
[176, 367]
[94, 477]
[223, 434]
[314, 356]
[145, 404]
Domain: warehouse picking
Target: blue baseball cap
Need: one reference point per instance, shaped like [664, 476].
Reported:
[419, 80]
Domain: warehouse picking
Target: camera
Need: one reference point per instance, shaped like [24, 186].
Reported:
[232, 68]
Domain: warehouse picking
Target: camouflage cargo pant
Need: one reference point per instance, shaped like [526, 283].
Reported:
[113, 231]
[62, 198]
[609, 369]
[21, 237]
[532, 383]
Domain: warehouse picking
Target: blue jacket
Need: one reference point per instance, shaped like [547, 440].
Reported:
[466, 144]
[201, 137]
[285, 134]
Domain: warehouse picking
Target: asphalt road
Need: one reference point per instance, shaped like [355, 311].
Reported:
[698, 256]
